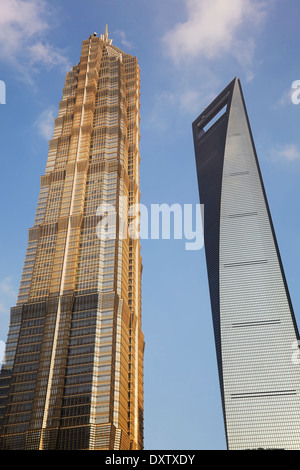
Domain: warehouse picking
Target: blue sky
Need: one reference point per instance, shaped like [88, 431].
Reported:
[188, 51]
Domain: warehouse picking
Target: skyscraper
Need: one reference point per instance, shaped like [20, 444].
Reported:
[254, 323]
[73, 374]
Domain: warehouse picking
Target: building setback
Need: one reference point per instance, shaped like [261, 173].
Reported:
[73, 374]
[254, 323]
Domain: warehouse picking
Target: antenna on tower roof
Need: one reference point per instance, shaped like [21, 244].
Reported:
[104, 37]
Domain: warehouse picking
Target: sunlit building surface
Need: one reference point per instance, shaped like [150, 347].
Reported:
[73, 371]
[254, 324]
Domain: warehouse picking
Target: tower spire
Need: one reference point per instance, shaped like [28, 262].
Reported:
[104, 37]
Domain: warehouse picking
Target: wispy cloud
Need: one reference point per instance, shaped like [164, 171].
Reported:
[46, 54]
[214, 34]
[170, 107]
[8, 294]
[288, 152]
[159, 117]
[8, 297]
[215, 27]
[122, 36]
[45, 123]
[191, 100]
[7, 288]
[24, 25]
[291, 96]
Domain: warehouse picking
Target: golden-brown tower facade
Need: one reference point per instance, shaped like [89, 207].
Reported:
[73, 374]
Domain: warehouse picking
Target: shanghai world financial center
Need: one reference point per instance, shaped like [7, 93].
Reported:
[72, 377]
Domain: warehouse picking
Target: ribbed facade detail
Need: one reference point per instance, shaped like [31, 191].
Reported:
[73, 375]
[254, 323]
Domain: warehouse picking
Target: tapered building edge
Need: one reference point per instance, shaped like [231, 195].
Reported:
[212, 241]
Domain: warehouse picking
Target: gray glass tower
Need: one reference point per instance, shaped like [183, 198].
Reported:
[254, 323]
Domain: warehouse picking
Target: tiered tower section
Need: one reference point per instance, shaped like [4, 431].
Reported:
[73, 375]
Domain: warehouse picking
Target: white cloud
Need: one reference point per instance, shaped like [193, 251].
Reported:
[159, 117]
[45, 123]
[23, 27]
[46, 54]
[285, 99]
[190, 101]
[213, 31]
[8, 295]
[215, 27]
[123, 38]
[289, 152]
[2, 352]
[170, 107]
[7, 288]
[3, 309]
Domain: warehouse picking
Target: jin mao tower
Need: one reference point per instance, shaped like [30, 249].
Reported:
[73, 374]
